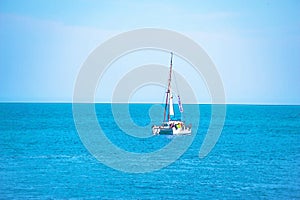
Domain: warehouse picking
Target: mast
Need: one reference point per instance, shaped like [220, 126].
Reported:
[169, 95]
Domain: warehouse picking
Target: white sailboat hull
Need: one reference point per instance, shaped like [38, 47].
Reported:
[185, 131]
[172, 128]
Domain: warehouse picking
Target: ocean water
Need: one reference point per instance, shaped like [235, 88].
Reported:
[42, 156]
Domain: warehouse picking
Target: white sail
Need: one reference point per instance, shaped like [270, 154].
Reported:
[171, 105]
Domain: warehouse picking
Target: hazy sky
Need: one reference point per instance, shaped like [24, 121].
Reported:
[255, 45]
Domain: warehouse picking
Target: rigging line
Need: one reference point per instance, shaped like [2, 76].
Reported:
[175, 80]
[178, 96]
[177, 90]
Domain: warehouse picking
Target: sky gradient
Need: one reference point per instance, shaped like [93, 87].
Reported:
[254, 45]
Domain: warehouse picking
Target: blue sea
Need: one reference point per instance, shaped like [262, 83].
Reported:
[43, 157]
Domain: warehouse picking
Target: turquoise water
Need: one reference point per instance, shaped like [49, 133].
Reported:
[257, 156]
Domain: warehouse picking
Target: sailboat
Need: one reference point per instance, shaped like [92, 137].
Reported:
[171, 125]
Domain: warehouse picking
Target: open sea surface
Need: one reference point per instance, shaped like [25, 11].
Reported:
[42, 157]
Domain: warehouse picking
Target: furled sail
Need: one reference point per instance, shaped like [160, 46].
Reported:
[180, 105]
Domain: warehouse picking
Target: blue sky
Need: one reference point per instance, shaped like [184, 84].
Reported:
[254, 45]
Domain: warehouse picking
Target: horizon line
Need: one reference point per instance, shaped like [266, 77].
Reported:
[107, 102]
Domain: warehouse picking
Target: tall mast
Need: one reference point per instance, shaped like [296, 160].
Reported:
[168, 96]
